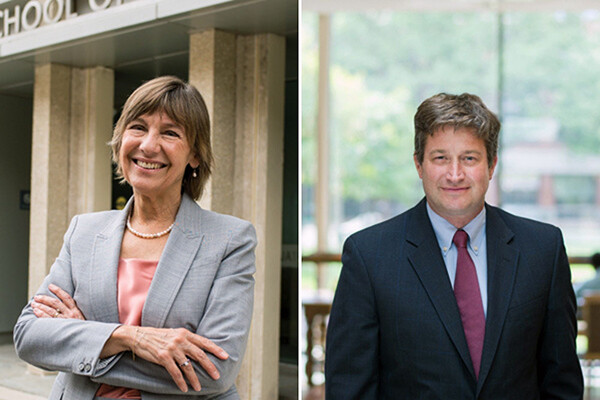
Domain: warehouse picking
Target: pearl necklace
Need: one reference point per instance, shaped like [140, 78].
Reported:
[147, 235]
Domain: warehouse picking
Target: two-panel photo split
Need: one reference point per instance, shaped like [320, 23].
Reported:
[300, 200]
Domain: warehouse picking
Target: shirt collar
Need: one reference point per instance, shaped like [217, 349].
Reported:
[444, 230]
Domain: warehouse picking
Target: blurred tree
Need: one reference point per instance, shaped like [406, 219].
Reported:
[385, 64]
[552, 62]
[310, 65]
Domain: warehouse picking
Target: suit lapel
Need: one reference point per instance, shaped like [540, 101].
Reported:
[103, 274]
[177, 257]
[426, 259]
[502, 258]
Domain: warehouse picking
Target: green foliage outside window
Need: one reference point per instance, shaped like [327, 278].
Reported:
[544, 66]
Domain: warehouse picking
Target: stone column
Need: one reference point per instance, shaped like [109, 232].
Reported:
[257, 196]
[49, 168]
[71, 168]
[212, 72]
[70, 162]
[90, 174]
[242, 81]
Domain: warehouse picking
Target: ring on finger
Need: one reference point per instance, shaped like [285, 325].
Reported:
[56, 314]
[185, 363]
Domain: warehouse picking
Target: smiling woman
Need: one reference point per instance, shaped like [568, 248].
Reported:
[177, 116]
[154, 155]
[156, 297]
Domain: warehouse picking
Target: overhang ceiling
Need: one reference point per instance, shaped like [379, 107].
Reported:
[147, 48]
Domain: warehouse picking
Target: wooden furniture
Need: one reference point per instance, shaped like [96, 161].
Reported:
[316, 313]
[591, 317]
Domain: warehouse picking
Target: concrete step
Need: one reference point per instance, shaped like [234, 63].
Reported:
[17, 382]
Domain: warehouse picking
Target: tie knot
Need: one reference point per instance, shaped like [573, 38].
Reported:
[460, 238]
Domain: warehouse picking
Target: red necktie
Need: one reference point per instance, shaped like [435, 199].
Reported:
[468, 298]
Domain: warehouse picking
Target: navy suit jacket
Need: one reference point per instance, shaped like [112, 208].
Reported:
[395, 331]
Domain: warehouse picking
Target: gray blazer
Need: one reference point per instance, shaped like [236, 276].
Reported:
[203, 283]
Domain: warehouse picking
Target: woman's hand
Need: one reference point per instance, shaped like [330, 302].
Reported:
[171, 348]
[49, 307]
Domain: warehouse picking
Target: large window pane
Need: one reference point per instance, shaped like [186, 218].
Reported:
[551, 138]
[383, 66]
[540, 71]
[545, 68]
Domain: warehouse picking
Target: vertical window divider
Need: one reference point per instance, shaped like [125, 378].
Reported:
[323, 137]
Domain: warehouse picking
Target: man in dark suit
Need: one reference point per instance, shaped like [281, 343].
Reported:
[454, 299]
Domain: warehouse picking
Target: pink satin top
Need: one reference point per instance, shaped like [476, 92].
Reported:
[133, 282]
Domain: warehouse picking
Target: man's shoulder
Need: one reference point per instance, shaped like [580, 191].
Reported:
[393, 226]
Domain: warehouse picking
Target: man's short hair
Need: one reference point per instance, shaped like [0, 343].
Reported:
[458, 111]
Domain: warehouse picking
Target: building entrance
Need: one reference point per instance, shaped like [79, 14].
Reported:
[15, 172]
